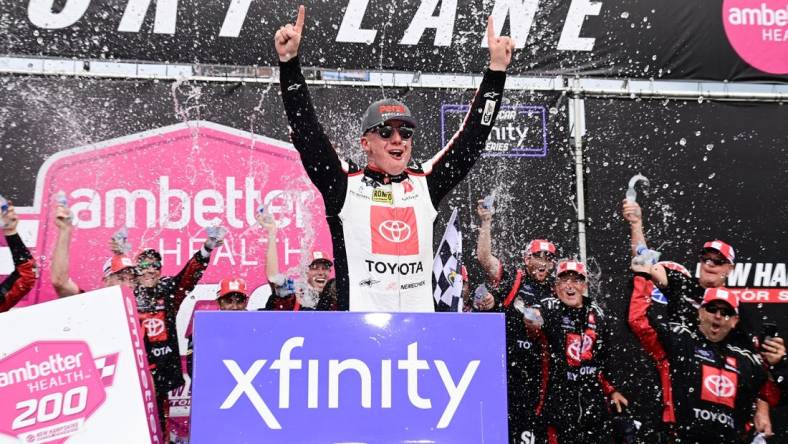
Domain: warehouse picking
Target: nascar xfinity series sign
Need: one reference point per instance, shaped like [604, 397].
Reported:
[348, 377]
[74, 370]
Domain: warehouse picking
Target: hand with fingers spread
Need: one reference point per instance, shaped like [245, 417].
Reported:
[501, 48]
[288, 38]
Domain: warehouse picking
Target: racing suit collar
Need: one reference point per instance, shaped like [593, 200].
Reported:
[383, 177]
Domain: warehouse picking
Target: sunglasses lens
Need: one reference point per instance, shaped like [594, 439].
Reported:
[385, 131]
[405, 132]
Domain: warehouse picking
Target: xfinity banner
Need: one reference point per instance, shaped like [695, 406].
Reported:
[348, 377]
[75, 371]
[715, 39]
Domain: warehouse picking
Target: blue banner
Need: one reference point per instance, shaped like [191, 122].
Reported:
[348, 377]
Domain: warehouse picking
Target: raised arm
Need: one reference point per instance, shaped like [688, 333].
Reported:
[320, 160]
[633, 214]
[62, 282]
[22, 279]
[452, 163]
[490, 264]
[271, 255]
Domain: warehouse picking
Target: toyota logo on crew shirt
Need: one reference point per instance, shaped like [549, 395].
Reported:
[154, 326]
[578, 349]
[393, 231]
[719, 386]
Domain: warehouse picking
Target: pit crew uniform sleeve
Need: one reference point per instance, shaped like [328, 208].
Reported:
[22, 279]
[189, 276]
[450, 165]
[320, 160]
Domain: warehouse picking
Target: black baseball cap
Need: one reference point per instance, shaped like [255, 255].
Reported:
[384, 110]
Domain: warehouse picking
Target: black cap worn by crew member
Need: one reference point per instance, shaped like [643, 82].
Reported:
[387, 109]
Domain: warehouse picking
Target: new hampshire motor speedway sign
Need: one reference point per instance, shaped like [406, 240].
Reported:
[348, 377]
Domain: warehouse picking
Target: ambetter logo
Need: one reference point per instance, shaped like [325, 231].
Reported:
[50, 388]
[394, 231]
[758, 32]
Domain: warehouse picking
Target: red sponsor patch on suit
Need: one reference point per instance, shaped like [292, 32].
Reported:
[394, 231]
[579, 347]
[154, 325]
[718, 386]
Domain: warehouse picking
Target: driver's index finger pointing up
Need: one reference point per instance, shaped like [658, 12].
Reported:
[299, 24]
[490, 30]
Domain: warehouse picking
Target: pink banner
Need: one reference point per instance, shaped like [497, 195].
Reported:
[167, 185]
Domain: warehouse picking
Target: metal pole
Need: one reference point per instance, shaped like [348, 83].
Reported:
[578, 129]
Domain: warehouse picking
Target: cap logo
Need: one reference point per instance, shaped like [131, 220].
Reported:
[722, 294]
[317, 255]
[716, 245]
[396, 109]
[126, 262]
[234, 285]
[544, 246]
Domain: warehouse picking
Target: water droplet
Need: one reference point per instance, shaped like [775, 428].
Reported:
[711, 176]
[625, 15]
[683, 142]
[709, 146]
[697, 133]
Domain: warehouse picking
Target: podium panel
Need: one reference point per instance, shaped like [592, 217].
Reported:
[74, 371]
[319, 377]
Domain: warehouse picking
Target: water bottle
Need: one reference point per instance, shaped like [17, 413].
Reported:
[216, 233]
[61, 199]
[479, 294]
[3, 209]
[645, 256]
[631, 193]
[530, 314]
[488, 201]
[121, 237]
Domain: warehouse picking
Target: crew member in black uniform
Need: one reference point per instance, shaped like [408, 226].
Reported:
[577, 334]
[515, 291]
[158, 301]
[715, 382]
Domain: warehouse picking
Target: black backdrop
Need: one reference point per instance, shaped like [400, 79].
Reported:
[633, 38]
[716, 170]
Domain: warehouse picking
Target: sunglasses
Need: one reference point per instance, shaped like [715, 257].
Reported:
[386, 131]
[570, 279]
[707, 260]
[320, 267]
[724, 311]
[144, 265]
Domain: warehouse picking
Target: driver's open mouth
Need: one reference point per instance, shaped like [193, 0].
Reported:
[320, 280]
[397, 154]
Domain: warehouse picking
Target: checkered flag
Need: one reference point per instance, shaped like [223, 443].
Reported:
[106, 366]
[446, 269]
